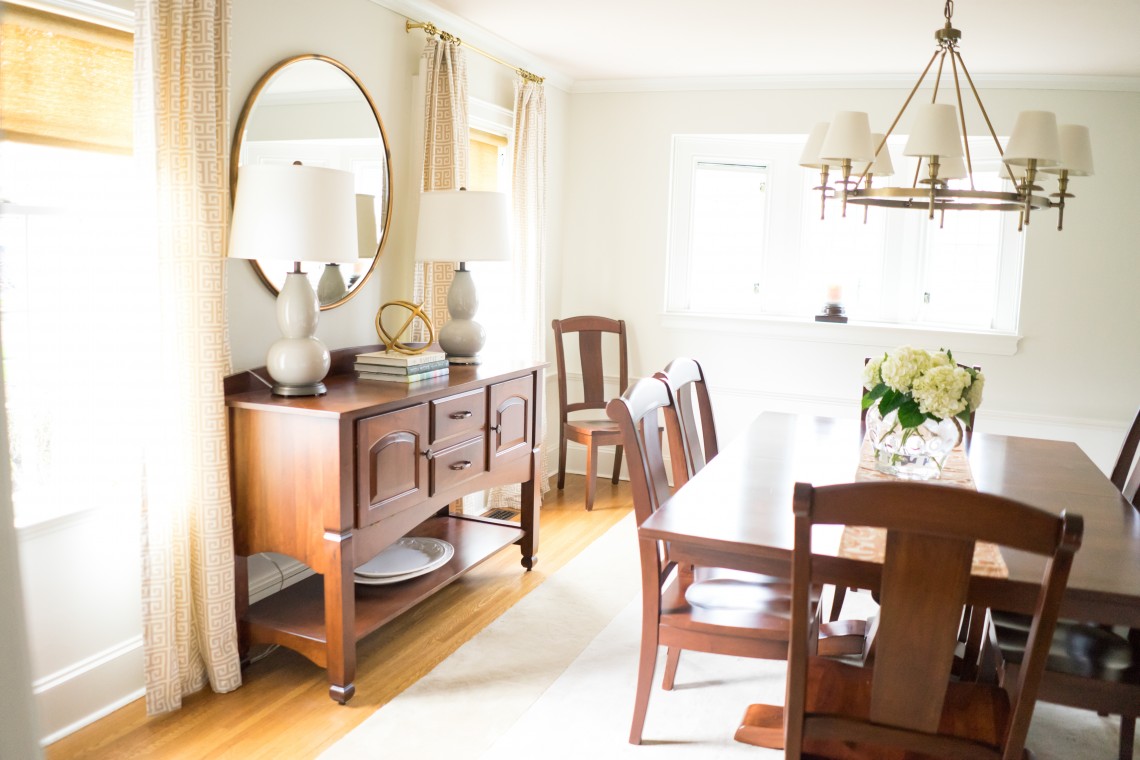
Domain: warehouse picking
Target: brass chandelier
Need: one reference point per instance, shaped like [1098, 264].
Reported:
[1037, 145]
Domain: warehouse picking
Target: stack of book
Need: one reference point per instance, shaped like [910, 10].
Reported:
[393, 367]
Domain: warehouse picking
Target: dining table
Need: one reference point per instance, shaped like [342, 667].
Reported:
[737, 513]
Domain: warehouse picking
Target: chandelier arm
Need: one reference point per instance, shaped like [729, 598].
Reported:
[906, 102]
[962, 119]
[981, 106]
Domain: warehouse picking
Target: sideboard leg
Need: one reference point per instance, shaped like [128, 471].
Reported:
[340, 616]
[531, 499]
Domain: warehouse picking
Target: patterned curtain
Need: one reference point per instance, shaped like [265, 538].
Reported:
[445, 160]
[182, 94]
[528, 249]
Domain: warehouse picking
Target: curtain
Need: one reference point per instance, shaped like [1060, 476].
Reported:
[528, 249]
[445, 160]
[182, 93]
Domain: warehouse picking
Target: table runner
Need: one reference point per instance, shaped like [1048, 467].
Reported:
[869, 544]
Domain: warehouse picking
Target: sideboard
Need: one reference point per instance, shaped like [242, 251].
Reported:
[332, 480]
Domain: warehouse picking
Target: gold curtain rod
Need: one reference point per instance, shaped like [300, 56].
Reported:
[434, 31]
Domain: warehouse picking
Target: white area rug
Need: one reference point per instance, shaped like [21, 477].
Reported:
[554, 676]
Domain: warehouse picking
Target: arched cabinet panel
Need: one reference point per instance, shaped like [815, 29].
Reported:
[392, 468]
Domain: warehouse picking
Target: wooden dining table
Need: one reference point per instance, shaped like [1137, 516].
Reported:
[737, 513]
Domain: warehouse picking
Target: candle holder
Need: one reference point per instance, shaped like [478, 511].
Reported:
[832, 312]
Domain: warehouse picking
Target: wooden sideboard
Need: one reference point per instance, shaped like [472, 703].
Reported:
[333, 479]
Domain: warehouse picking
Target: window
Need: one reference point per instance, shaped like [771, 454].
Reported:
[488, 169]
[746, 239]
[70, 279]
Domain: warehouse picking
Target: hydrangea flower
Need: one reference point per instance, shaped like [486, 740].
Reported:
[903, 365]
[921, 385]
[939, 391]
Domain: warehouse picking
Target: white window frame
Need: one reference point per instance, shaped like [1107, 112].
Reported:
[780, 154]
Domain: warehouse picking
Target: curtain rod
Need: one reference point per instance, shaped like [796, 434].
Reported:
[434, 31]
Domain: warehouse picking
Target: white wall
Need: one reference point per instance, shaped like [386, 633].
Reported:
[1074, 375]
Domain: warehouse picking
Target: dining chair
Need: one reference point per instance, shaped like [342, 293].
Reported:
[904, 700]
[699, 609]
[1090, 666]
[592, 432]
[692, 440]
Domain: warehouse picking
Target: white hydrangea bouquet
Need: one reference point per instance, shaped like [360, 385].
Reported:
[917, 402]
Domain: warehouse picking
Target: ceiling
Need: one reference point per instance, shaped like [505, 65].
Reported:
[595, 41]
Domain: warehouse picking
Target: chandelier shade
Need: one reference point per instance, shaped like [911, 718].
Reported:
[938, 139]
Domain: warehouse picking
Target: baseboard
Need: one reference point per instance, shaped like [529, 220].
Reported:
[70, 699]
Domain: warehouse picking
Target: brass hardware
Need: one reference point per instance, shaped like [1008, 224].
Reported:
[460, 415]
[459, 465]
[428, 454]
[432, 30]
[496, 428]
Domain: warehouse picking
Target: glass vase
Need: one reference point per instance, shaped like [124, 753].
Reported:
[911, 453]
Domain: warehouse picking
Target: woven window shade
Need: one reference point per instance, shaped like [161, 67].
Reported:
[483, 160]
[64, 82]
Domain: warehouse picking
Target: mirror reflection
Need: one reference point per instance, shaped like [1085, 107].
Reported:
[313, 110]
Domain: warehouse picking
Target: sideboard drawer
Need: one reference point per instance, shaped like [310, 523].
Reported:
[458, 464]
[457, 417]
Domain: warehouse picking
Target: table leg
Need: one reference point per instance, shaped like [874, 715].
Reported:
[528, 519]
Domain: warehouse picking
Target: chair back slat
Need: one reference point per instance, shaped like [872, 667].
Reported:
[593, 379]
[923, 589]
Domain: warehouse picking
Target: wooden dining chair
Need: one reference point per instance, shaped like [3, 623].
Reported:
[699, 609]
[1089, 666]
[592, 432]
[904, 700]
[692, 440]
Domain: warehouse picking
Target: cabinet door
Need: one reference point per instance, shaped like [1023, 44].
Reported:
[392, 472]
[512, 420]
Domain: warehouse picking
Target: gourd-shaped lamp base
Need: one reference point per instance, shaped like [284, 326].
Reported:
[462, 337]
[298, 361]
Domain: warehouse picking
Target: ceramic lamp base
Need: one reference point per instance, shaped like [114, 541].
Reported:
[462, 337]
[298, 361]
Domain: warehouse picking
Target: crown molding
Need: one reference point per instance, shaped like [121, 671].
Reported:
[419, 10]
[851, 82]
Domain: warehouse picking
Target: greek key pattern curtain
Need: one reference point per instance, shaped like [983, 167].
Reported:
[445, 159]
[528, 249]
[182, 93]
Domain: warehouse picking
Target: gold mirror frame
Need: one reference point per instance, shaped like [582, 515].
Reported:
[235, 162]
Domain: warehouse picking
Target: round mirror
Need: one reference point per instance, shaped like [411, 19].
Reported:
[313, 110]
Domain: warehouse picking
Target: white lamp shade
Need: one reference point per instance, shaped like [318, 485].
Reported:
[951, 167]
[366, 239]
[463, 225]
[810, 157]
[935, 132]
[1034, 136]
[882, 166]
[1076, 151]
[848, 137]
[294, 213]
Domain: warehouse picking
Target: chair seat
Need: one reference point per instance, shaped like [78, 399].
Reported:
[972, 711]
[726, 601]
[1079, 649]
[580, 431]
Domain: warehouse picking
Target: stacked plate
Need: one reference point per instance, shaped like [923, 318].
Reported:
[409, 557]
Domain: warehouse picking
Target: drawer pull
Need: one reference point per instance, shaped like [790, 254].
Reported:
[496, 428]
[460, 465]
[460, 415]
[428, 454]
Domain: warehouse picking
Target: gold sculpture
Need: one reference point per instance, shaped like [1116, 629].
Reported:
[394, 342]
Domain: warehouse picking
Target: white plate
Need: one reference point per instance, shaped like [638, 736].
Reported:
[408, 555]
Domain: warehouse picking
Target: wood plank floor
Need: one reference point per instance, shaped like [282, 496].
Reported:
[283, 710]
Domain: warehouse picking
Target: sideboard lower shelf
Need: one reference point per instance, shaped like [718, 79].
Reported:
[295, 617]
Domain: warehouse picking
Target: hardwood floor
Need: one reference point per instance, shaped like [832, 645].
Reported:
[283, 710]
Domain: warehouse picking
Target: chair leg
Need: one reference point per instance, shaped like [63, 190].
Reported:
[647, 663]
[837, 603]
[561, 462]
[591, 474]
[672, 658]
[1127, 736]
[617, 464]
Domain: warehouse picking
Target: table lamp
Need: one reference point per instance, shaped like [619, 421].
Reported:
[462, 226]
[295, 213]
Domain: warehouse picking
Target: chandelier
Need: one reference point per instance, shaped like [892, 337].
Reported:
[1036, 146]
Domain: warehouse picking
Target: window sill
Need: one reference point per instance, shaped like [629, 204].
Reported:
[852, 333]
